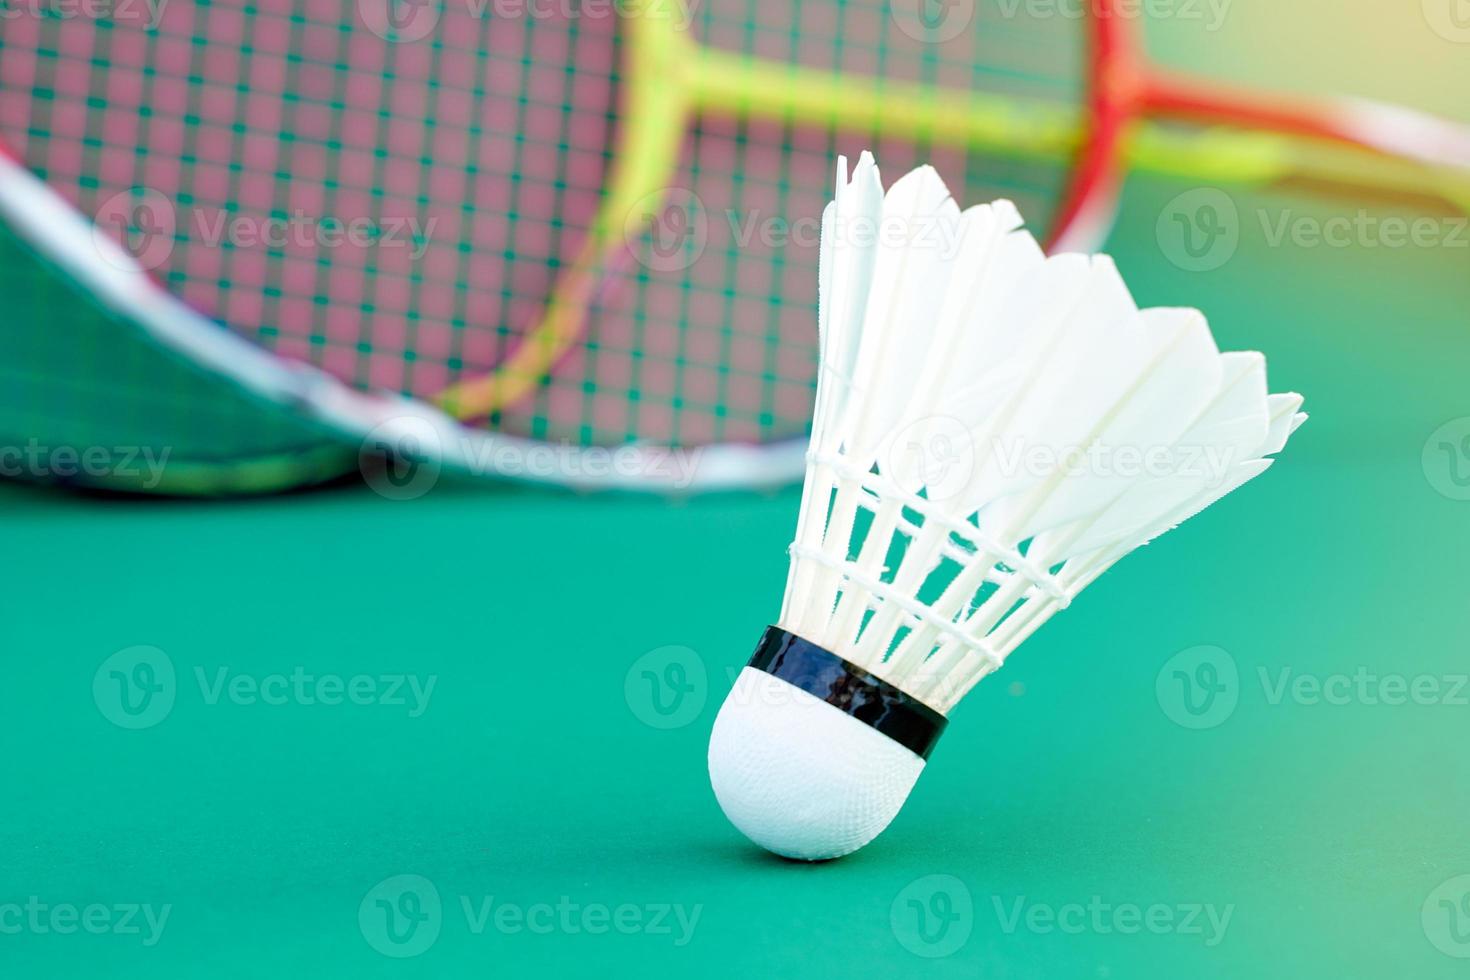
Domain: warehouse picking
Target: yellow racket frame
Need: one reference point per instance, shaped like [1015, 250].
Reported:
[670, 79]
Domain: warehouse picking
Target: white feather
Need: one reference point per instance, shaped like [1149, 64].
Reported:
[910, 277]
[1091, 427]
[859, 204]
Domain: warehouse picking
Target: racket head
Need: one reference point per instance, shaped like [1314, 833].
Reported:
[708, 336]
[92, 396]
[477, 152]
[383, 194]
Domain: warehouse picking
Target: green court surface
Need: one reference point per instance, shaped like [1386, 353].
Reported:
[532, 776]
[1075, 791]
[232, 728]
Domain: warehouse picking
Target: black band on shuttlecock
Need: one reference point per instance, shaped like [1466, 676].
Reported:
[850, 689]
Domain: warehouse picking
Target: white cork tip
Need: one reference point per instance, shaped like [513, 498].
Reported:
[801, 778]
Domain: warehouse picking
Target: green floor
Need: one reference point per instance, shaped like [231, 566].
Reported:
[1087, 814]
[534, 771]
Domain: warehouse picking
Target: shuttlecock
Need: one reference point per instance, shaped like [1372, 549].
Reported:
[993, 430]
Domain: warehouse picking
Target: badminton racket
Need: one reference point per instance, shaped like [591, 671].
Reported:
[249, 239]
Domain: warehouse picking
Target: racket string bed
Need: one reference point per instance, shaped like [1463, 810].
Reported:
[517, 177]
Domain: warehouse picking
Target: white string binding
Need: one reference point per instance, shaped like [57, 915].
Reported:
[916, 610]
[882, 486]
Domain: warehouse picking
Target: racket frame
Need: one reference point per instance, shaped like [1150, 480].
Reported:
[669, 80]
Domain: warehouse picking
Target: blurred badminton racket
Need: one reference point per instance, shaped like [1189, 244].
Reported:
[253, 238]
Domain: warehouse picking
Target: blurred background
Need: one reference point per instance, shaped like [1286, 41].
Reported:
[305, 678]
